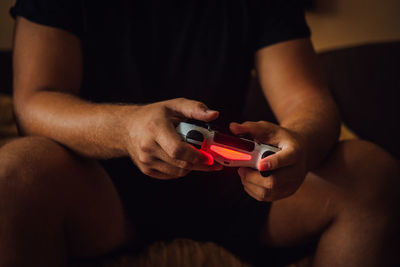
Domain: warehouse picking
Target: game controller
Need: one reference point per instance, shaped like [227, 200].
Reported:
[226, 149]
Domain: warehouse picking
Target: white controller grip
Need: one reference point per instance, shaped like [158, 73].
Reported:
[239, 152]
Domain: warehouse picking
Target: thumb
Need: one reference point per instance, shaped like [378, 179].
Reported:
[193, 109]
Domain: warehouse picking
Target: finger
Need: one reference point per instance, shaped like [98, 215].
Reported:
[257, 192]
[160, 154]
[176, 148]
[283, 158]
[253, 184]
[260, 131]
[243, 172]
[209, 166]
[210, 160]
[168, 169]
[192, 109]
[254, 177]
[156, 174]
[150, 150]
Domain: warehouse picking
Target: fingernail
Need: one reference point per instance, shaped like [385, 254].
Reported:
[265, 166]
[210, 111]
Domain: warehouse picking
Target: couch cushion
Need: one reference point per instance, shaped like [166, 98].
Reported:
[8, 129]
[365, 83]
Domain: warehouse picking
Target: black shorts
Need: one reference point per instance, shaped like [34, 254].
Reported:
[203, 206]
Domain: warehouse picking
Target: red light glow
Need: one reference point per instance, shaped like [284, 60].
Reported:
[210, 159]
[229, 153]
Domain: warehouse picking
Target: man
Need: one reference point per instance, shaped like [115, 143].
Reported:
[98, 90]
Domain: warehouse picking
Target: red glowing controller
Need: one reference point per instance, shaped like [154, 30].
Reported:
[227, 150]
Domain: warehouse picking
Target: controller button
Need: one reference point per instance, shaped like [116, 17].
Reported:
[265, 173]
[267, 153]
[195, 135]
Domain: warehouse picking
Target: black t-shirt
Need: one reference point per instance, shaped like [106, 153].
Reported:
[142, 51]
[152, 50]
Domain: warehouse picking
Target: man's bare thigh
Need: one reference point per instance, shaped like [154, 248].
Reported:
[355, 175]
[70, 185]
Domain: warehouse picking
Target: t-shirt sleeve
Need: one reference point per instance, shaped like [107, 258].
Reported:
[277, 21]
[63, 14]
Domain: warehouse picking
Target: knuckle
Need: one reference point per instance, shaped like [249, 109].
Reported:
[146, 146]
[144, 158]
[200, 105]
[181, 100]
[163, 111]
[184, 165]
[175, 151]
[269, 183]
[151, 126]
[265, 123]
[247, 123]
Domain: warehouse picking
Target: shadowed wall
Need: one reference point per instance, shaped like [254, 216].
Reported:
[334, 23]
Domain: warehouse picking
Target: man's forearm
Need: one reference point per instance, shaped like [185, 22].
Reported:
[92, 130]
[318, 124]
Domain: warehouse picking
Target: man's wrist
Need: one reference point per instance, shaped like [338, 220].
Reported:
[315, 144]
[126, 117]
[116, 121]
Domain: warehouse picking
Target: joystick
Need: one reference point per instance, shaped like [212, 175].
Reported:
[226, 149]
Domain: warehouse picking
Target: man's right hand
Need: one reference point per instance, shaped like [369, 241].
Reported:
[47, 80]
[154, 144]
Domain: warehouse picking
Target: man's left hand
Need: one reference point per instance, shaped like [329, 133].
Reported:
[288, 166]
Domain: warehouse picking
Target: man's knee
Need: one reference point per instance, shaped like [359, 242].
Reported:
[37, 170]
[39, 157]
[368, 172]
[25, 169]
[38, 178]
[369, 156]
